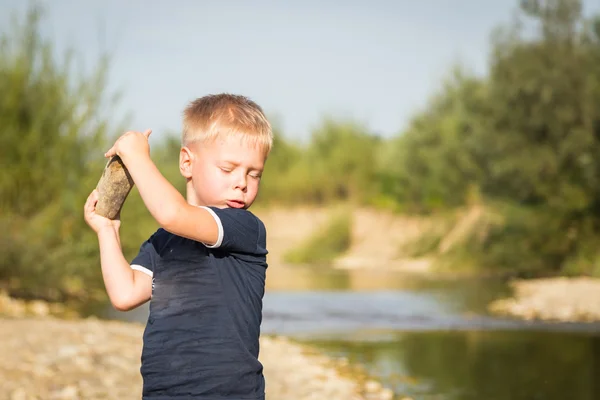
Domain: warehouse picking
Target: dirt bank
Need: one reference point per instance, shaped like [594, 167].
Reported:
[377, 236]
[47, 358]
[556, 299]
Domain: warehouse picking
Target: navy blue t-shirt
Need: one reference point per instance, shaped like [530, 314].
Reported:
[202, 336]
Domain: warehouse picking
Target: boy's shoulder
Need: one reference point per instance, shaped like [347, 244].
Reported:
[239, 213]
[240, 216]
[240, 231]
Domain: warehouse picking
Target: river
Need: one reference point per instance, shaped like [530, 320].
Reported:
[429, 338]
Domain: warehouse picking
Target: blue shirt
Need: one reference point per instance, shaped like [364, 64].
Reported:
[201, 340]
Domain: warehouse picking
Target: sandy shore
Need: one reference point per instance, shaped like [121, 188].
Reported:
[52, 359]
[557, 299]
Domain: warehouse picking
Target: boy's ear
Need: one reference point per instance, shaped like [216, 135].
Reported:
[185, 162]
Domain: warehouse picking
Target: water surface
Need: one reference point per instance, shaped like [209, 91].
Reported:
[429, 338]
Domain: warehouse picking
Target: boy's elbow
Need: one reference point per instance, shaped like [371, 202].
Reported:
[123, 304]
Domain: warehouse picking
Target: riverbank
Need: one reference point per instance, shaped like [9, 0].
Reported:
[554, 299]
[378, 237]
[49, 358]
[379, 240]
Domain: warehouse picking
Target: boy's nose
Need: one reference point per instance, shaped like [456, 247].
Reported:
[241, 183]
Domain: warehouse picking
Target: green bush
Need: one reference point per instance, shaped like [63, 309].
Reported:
[524, 137]
[53, 133]
[428, 242]
[330, 241]
[55, 129]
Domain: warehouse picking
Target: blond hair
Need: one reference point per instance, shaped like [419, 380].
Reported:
[224, 115]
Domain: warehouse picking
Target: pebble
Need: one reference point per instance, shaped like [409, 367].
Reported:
[54, 359]
[554, 299]
[18, 394]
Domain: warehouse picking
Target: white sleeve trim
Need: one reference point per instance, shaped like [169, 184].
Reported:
[142, 269]
[220, 227]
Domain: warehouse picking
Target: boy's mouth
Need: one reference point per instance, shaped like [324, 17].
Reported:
[235, 204]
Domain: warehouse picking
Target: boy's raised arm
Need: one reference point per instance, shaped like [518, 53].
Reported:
[168, 207]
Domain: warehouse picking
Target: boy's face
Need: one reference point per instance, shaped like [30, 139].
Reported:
[224, 173]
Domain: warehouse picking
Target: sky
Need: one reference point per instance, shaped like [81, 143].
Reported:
[375, 62]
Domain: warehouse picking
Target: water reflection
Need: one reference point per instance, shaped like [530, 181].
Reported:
[444, 345]
[469, 365]
[309, 298]
[459, 295]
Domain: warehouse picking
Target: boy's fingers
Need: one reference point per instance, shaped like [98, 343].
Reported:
[91, 200]
[110, 153]
[88, 205]
[147, 133]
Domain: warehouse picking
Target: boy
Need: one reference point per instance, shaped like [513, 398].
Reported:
[204, 268]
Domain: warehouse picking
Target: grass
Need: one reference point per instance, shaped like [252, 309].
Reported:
[333, 239]
[428, 242]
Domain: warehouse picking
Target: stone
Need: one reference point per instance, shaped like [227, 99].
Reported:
[39, 308]
[18, 394]
[69, 392]
[372, 386]
[49, 358]
[113, 188]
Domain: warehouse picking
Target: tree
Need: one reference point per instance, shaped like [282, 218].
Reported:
[438, 161]
[52, 130]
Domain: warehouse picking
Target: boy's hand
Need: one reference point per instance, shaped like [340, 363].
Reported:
[95, 221]
[130, 143]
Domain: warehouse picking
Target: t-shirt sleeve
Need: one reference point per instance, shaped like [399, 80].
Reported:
[146, 258]
[240, 231]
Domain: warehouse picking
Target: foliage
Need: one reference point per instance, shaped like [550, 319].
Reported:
[51, 125]
[55, 130]
[436, 163]
[337, 164]
[329, 242]
[521, 141]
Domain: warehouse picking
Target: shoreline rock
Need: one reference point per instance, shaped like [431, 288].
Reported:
[552, 299]
[56, 359]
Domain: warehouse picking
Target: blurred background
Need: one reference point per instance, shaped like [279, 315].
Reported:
[426, 155]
